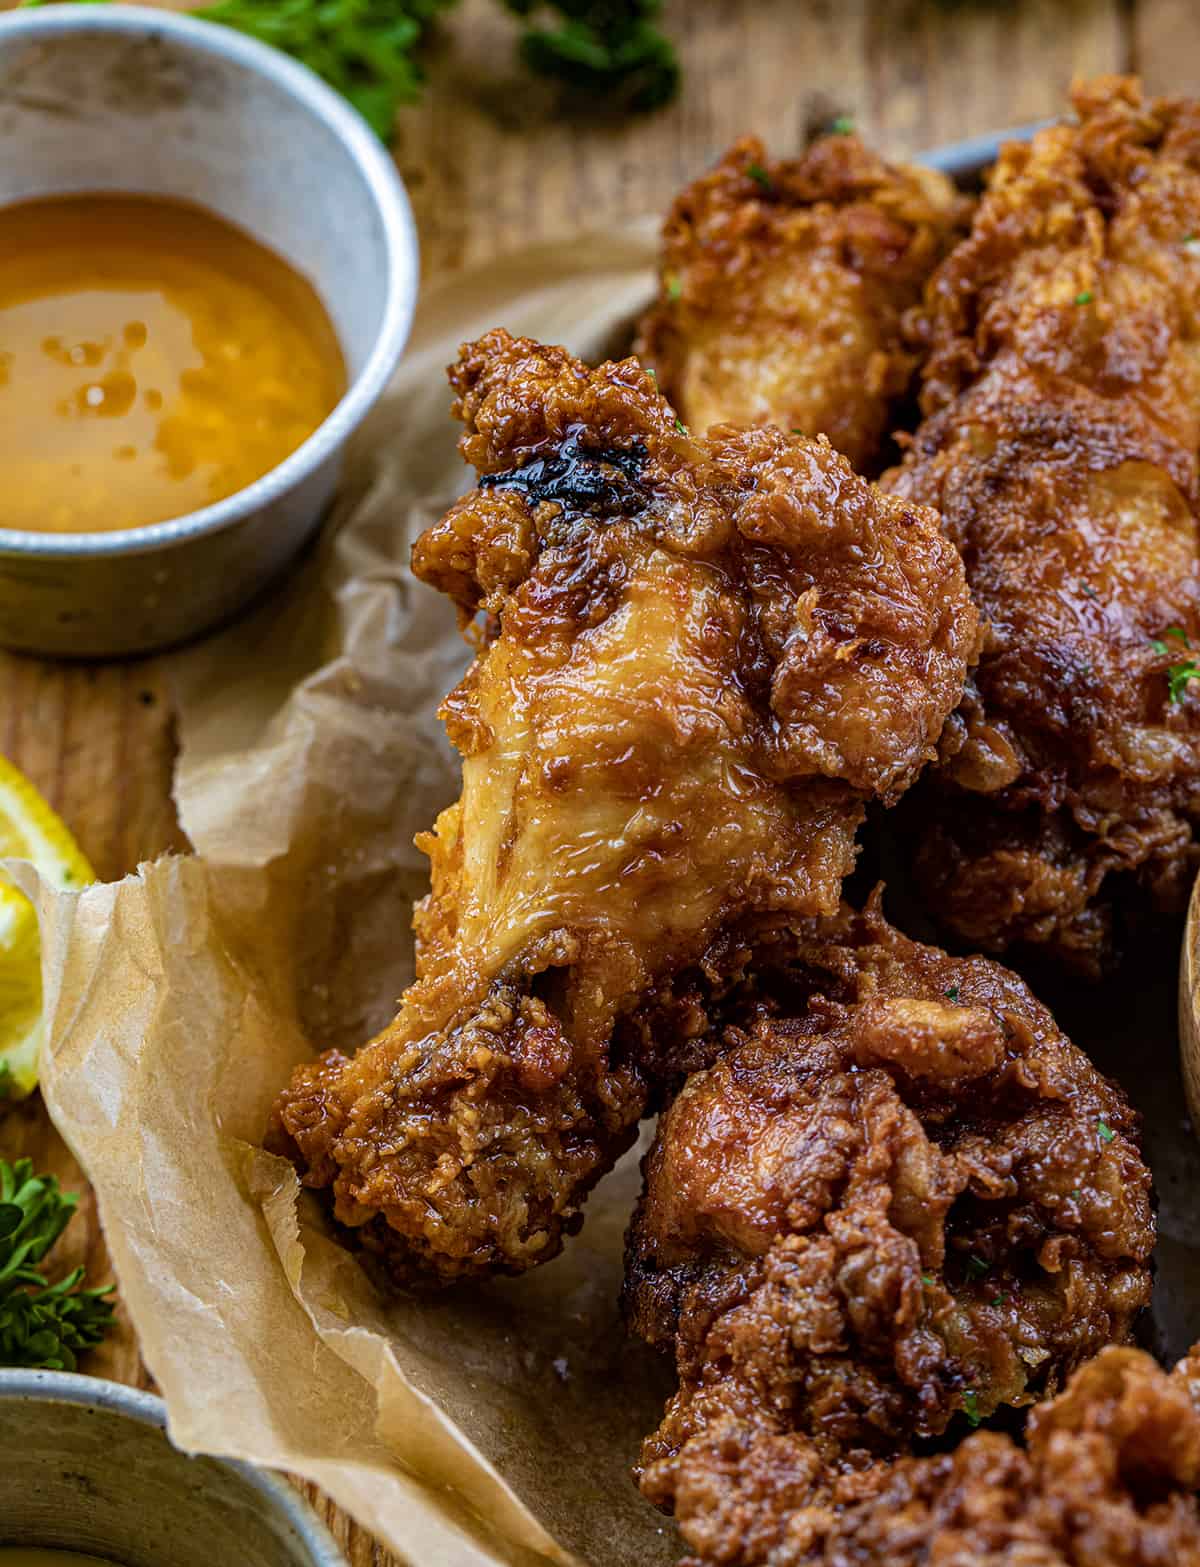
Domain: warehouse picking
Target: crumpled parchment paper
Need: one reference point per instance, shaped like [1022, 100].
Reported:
[495, 1426]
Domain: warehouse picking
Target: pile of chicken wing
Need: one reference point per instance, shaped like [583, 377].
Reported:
[887, 1199]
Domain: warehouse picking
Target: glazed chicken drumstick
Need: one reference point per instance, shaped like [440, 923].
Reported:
[699, 659]
[783, 290]
[1062, 397]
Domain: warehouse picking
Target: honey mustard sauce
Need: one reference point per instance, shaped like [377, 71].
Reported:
[153, 359]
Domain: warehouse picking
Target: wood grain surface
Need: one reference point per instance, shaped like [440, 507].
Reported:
[493, 163]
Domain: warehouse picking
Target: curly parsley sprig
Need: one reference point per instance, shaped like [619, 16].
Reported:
[609, 49]
[366, 49]
[44, 1326]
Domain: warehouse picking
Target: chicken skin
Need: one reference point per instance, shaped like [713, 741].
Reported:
[917, 1200]
[699, 658]
[783, 288]
[1062, 403]
[1107, 1477]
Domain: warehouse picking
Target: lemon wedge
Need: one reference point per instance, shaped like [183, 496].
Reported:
[29, 830]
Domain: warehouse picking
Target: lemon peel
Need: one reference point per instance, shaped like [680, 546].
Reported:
[30, 829]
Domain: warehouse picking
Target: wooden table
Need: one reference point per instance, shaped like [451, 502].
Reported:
[490, 165]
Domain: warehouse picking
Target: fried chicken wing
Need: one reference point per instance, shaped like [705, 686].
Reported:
[1062, 396]
[700, 658]
[783, 286]
[1107, 1477]
[915, 1200]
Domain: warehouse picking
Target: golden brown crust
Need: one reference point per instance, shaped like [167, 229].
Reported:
[688, 689]
[1062, 402]
[915, 1201]
[1107, 1478]
[783, 286]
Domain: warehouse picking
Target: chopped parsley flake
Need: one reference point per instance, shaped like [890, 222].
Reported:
[927, 1280]
[842, 126]
[759, 175]
[952, 993]
[675, 287]
[1178, 676]
[680, 426]
[976, 1267]
[1106, 1131]
[971, 1408]
[1084, 296]
[999, 1300]
[1088, 591]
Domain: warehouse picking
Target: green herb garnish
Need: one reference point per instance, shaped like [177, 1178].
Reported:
[609, 49]
[976, 1267]
[952, 993]
[759, 175]
[1159, 645]
[675, 287]
[681, 427]
[971, 1408]
[368, 50]
[1178, 676]
[1106, 1131]
[927, 1280]
[1084, 297]
[44, 1326]
[842, 126]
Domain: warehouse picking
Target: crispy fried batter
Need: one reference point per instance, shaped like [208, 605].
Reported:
[1107, 1478]
[703, 656]
[916, 1200]
[783, 286]
[1063, 418]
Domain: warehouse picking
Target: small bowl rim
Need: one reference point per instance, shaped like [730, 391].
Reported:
[400, 235]
[118, 1398]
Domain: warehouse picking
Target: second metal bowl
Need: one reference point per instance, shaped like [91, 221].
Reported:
[85, 1465]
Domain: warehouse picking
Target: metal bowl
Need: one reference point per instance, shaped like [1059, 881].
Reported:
[85, 1465]
[120, 98]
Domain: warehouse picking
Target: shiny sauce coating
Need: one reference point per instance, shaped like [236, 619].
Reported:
[153, 360]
